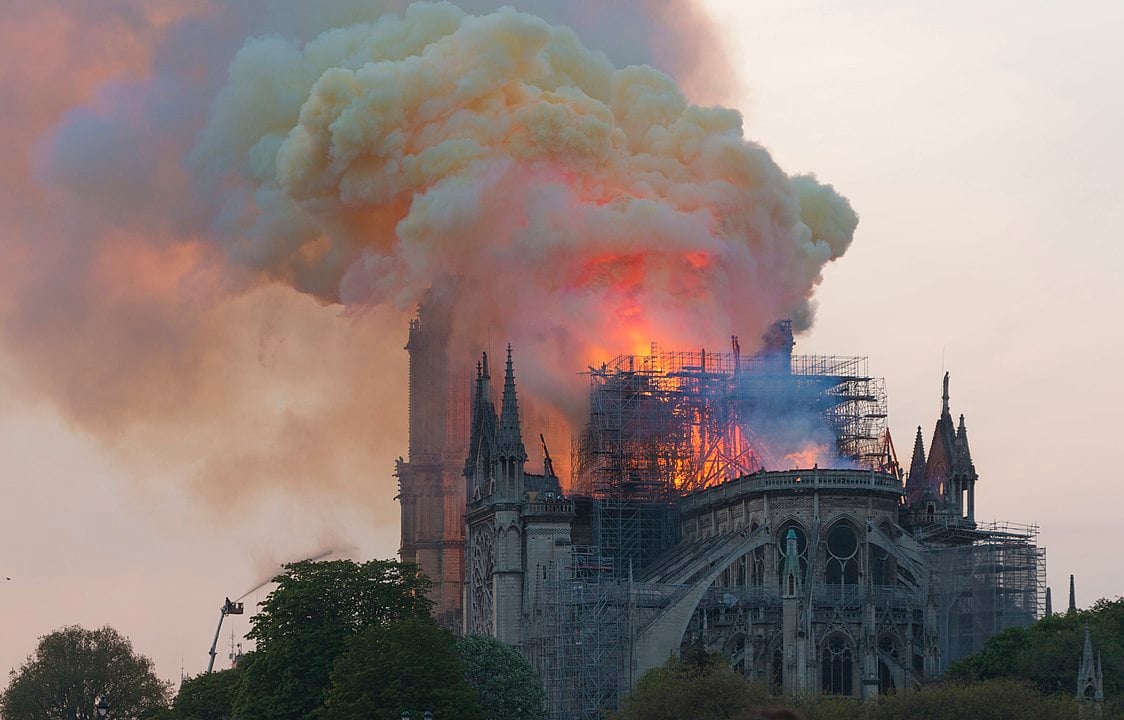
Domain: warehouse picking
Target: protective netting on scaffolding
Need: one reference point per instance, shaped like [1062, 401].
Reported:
[986, 586]
[668, 423]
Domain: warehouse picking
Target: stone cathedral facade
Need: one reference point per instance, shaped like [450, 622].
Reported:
[852, 581]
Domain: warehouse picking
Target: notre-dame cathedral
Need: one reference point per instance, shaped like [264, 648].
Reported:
[753, 504]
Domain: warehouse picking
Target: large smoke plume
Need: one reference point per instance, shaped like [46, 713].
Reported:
[191, 180]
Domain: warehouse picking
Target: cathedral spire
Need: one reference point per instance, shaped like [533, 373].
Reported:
[962, 457]
[1072, 597]
[944, 397]
[484, 377]
[482, 435]
[511, 433]
[917, 482]
[1090, 680]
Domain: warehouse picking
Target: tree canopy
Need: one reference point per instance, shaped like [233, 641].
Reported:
[508, 685]
[699, 686]
[411, 665]
[1048, 653]
[987, 700]
[307, 622]
[208, 696]
[71, 667]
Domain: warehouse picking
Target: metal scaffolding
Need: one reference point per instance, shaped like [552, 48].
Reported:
[581, 632]
[996, 581]
[673, 422]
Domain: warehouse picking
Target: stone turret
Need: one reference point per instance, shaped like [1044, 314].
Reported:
[945, 478]
[482, 448]
[916, 483]
[1090, 678]
[510, 443]
[791, 612]
[791, 571]
[964, 471]
[511, 454]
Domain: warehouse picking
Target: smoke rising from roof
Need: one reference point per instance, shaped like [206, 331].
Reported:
[582, 208]
[190, 179]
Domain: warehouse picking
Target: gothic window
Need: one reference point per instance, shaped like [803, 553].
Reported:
[801, 549]
[842, 556]
[836, 664]
[778, 670]
[480, 578]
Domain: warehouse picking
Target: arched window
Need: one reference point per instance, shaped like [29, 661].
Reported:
[836, 664]
[778, 670]
[842, 556]
[801, 550]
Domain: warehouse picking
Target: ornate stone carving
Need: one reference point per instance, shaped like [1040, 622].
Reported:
[482, 563]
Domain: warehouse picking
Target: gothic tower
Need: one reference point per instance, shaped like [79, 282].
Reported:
[943, 484]
[518, 524]
[431, 484]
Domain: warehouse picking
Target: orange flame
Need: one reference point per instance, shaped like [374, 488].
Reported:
[809, 456]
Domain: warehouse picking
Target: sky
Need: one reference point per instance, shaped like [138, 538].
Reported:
[979, 143]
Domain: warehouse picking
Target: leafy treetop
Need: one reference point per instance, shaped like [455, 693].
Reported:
[71, 667]
[305, 624]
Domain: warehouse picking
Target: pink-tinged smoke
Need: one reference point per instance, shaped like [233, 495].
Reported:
[220, 216]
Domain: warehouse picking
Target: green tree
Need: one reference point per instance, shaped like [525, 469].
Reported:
[989, 700]
[698, 686]
[1048, 653]
[71, 667]
[305, 624]
[509, 687]
[411, 665]
[209, 696]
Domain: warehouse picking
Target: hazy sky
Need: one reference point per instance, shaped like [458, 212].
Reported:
[979, 143]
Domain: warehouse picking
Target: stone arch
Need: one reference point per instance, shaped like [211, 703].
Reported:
[664, 632]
